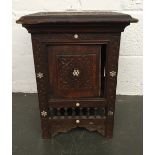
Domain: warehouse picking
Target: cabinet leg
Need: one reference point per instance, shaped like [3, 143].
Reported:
[46, 130]
[109, 134]
[109, 128]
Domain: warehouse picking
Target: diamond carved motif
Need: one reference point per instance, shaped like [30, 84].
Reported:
[75, 71]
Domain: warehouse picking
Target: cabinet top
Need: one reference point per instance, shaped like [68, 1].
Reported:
[76, 17]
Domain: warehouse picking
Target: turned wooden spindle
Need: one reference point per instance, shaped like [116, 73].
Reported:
[58, 112]
[81, 112]
[73, 111]
[95, 111]
[65, 112]
[88, 112]
[51, 112]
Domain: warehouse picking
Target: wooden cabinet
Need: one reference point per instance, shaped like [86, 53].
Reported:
[76, 62]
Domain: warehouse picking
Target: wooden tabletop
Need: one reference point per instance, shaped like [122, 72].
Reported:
[76, 17]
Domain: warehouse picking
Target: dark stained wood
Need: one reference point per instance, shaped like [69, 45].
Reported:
[76, 64]
[64, 59]
[65, 125]
[46, 22]
[100, 102]
[76, 17]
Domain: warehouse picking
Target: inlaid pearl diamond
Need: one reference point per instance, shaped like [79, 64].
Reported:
[113, 74]
[76, 72]
[40, 75]
[110, 113]
[44, 113]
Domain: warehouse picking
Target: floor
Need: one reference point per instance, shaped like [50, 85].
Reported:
[127, 140]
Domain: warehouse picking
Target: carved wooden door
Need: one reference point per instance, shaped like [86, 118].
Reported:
[74, 70]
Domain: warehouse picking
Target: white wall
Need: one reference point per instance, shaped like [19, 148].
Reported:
[131, 56]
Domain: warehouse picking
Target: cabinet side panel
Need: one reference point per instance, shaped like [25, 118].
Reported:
[111, 81]
[41, 71]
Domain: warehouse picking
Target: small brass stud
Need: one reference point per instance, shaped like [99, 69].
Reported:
[77, 104]
[77, 121]
[76, 36]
